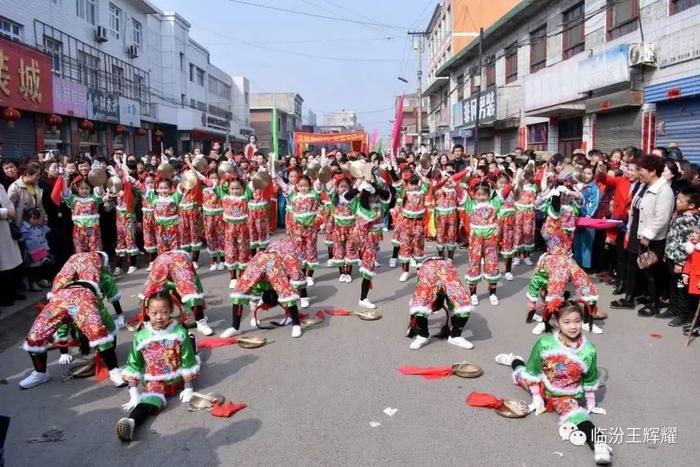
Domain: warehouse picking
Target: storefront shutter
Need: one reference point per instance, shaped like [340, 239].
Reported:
[19, 142]
[618, 129]
[679, 122]
[509, 140]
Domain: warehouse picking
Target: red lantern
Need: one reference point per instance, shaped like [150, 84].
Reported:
[158, 134]
[141, 132]
[54, 120]
[120, 130]
[11, 115]
[87, 126]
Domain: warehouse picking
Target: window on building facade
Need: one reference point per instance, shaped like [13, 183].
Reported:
[219, 88]
[55, 49]
[138, 88]
[622, 17]
[182, 61]
[88, 69]
[117, 79]
[511, 56]
[115, 20]
[86, 10]
[490, 72]
[474, 80]
[200, 76]
[538, 49]
[192, 68]
[537, 133]
[460, 87]
[573, 36]
[136, 31]
[680, 5]
[10, 30]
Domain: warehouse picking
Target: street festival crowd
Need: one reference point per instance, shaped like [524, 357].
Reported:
[71, 226]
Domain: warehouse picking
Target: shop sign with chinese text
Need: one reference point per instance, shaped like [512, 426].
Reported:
[25, 78]
[487, 108]
[102, 106]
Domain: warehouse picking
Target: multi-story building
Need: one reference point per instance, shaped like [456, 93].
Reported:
[409, 129]
[453, 25]
[308, 123]
[562, 75]
[280, 111]
[105, 75]
[340, 121]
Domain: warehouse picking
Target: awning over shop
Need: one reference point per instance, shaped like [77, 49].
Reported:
[615, 100]
[571, 109]
[200, 135]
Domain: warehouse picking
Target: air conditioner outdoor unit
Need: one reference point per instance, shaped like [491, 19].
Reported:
[642, 54]
[133, 51]
[101, 34]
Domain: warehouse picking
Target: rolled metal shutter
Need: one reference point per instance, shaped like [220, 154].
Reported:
[679, 122]
[618, 129]
[509, 140]
[19, 142]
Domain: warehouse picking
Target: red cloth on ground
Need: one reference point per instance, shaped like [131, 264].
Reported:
[427, 372]
[214, 342]
[101, 371]
[484, 399]
[226, 409]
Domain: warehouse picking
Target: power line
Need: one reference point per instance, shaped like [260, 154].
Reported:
[314, 15]
[305, 41]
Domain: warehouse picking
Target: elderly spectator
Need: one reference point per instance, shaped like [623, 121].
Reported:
[10, 173]
[25, 193]
[10, 256]
[656, 205]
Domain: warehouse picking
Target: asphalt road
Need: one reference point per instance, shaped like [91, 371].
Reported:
[311, 400]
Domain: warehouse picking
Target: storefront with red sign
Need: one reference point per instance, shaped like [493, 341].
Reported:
[26, 99]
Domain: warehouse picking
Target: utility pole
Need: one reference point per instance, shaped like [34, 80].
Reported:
[478, 96]
[418, 47]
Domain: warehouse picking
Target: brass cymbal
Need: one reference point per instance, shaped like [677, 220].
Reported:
[188, 180]
[200, 164]
[312, 169]
[425, 161]
[225, 169]
[325, 174]
[97, 177]
[261, 180]
[357, 168]
[114, 185]
[165, 170]
[467, 370]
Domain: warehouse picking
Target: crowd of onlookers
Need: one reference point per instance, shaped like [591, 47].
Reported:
[647, 257]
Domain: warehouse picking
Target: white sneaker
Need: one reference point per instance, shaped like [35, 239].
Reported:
[516, 261]
[296, 331]
[528, 261]
[367, 304]
[34, 379]
[195, 264]
[348, 278]
[229, 332]
[509, 276]
[538, 329]
[212, 267]
[310, 281]
[131, 270]
[419, 342]
[595, 329]
[507, 359]
[412, 262]
[220, 266]
[115, 376]
[392, 262]
[377, 264]
[125, 429]
[341, 278]
[460, 342]
[117, 271]
[329, 263]
[403, 277]
[232, 284]
[493, 299]
[602, 454]
[475, 300]
[537, 318]
[286, 321]
[119, 321]
[304, 302]
[150, 265]
[204, 328]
